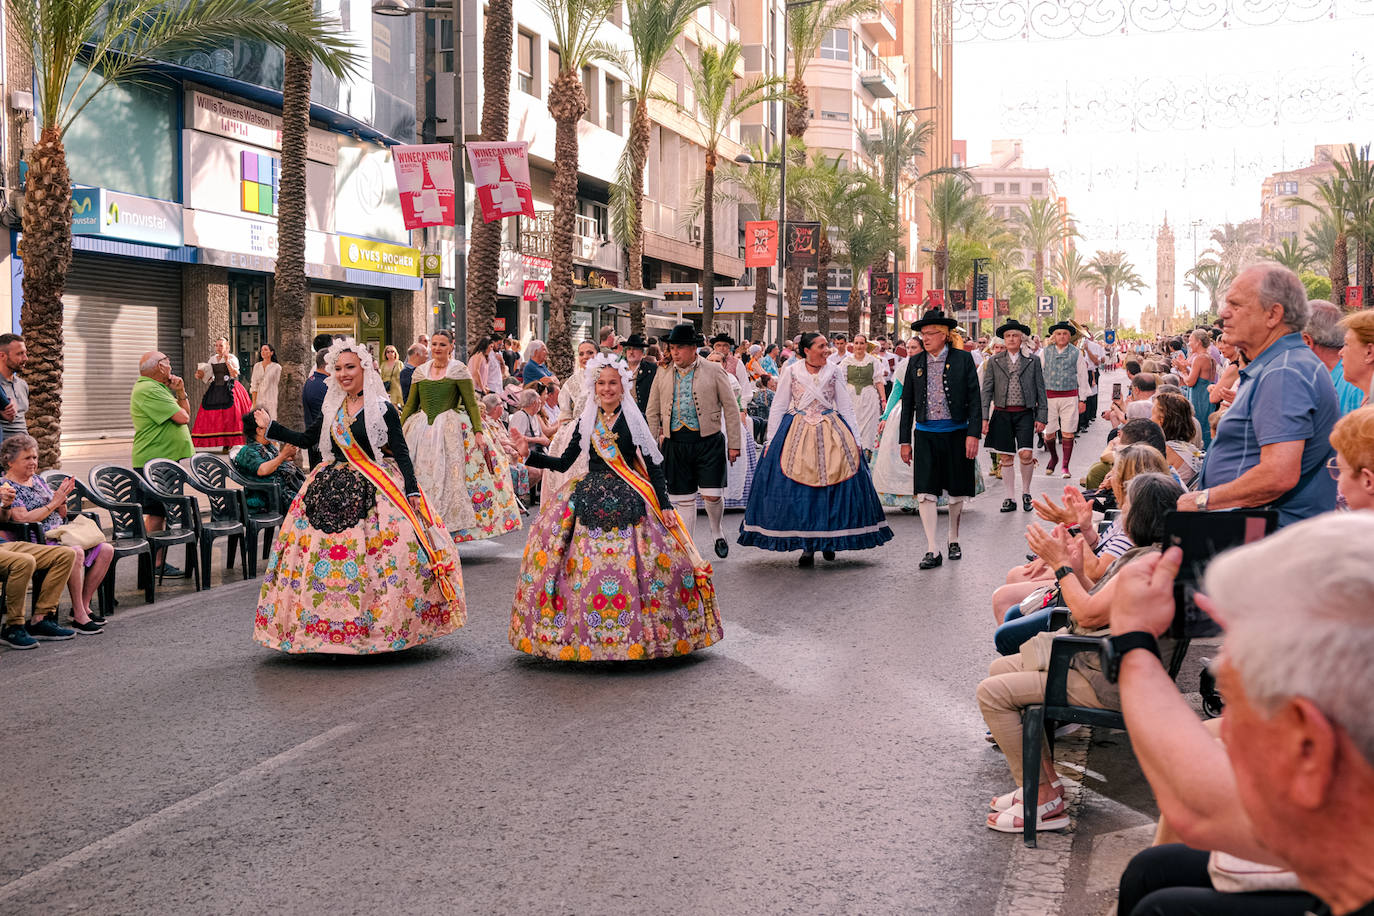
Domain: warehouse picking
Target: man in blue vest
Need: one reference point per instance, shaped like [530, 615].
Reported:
[1066, 389]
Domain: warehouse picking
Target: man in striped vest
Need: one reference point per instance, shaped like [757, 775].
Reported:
[1066, 388]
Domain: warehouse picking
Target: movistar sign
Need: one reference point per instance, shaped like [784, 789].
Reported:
[126, 217]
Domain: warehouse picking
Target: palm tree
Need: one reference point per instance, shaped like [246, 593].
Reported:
[807, 27]
[1290, 253]
[1041, 227]
[484, 264]
[1321, 239]
[864, 216]
[1357, 173]
[952, 201]
[654, 26]
[1211, 277]
[1332, 202]
[717, 105]
[1068, 272]
[115, 42]
[1111, 273]
[575, 26]
[1234, 244]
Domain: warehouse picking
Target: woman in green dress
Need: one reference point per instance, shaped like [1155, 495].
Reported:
[464, 475]
[390, 371]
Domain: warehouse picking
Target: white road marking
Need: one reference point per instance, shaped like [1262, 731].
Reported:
[157, 819]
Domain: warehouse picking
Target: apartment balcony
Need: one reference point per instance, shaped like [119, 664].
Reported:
[879, 25]
[872, 132]
[879, 80]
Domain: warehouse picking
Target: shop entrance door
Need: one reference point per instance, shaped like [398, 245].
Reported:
[247, 319]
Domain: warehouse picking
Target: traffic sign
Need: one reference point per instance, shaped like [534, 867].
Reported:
[1109, 336]
[1045, 305]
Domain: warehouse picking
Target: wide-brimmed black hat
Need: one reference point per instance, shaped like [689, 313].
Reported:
[684, 334]
[635, 341]
[724, 338]
[934, 316]
[1013, 325]
[1062, 326]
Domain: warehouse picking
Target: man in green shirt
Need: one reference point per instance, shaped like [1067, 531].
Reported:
[161, 415]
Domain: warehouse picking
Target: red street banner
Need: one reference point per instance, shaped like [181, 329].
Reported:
[803, 240]
[532, 289]
[1354, 297]
[760, 243]
[880, 288]
[501, 174]
[909, 288]
[984, 309]
[937, 298]
[424, 178]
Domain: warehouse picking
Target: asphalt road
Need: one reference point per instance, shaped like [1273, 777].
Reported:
[826, 757]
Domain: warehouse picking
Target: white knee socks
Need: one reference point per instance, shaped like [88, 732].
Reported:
[1008, 478]
[715, 509]
[929, 517]
[1027, 472]
[686, 507]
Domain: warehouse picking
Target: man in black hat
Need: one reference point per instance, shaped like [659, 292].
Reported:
[941, 396]
[724, 344]
[643, 370]
[693, 414]
[1014, 410]
[1066, 389]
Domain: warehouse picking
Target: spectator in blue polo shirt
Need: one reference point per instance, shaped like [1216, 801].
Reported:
[1325, 336]
[1272, 445]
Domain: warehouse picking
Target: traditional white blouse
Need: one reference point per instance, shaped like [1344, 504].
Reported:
[799, 391]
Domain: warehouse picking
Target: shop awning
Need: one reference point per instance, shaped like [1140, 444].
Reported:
[613, 296]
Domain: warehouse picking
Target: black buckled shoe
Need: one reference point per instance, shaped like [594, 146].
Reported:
[722, 548]
[954, 552]
[1008, 505]
[828, 554]
[1026, 502]
[806, 560]
[931, 560]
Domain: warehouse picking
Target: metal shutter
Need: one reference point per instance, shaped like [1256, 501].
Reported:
[114, 311]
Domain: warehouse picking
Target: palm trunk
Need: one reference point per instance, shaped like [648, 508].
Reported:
[708, 246]
[46, 250]
[854, 307]
[485, 260]
[1340, 272]
[759, 319]
[941, 266]
[291, 289]
[823, 287]
[567, 104]
[796, 119]
[639, 155]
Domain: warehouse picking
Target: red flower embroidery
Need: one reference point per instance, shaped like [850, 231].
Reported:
[599, 602]
[619, 602]
[338, 552]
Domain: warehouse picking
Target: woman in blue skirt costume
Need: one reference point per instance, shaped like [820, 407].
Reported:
[812, 490]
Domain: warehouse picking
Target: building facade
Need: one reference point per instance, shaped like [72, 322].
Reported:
[1280, 217]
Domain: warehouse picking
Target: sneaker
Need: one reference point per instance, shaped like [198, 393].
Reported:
[48, 629]
[167, 570]
[17, 637]
[89, 628]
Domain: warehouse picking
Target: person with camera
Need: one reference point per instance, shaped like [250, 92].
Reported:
[1291, 783]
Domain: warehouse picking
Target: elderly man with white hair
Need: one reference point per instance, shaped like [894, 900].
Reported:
[1271, 446]
[536, 362]
[1291, 784]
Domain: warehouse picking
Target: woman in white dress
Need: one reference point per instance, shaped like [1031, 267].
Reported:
[266, 380]
[891, 478]
[571, 398]
[864, 375]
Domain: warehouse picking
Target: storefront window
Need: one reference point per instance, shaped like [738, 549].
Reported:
[126, 139]
[247, 318]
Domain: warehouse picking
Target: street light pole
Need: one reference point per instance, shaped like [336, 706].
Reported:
[781, 166]
[449, 9]
[1196, 223]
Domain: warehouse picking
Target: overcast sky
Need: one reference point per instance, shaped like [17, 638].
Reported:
[1134, 126]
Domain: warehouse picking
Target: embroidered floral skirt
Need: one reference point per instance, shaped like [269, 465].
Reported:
[625, 591]
[468, 485]
[363, 588]
[786, 515]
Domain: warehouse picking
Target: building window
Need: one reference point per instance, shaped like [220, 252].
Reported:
[593, 219]
[524, 62]
[1037, 187]
[835, 45]
[613, 105]
[555, 64]
[588, 85]
[1016, 187]
[999, 187]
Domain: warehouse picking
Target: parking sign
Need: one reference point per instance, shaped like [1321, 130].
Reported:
[1045, 305]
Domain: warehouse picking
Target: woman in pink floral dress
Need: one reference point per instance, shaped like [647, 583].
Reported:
[608, 572]
[360, 565]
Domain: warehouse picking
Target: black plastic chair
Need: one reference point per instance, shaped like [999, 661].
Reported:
[228, 512]
[165, 479]
[266, 522]
[119, 491]
[76, 505]
[1039, 721]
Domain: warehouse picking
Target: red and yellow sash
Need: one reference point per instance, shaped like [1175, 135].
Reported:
[638, 477]
[439, 563]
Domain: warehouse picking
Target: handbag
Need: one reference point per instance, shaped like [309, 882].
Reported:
[1233, 875]
[79, 531]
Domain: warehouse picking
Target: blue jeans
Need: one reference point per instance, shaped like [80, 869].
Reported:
[1016, 628]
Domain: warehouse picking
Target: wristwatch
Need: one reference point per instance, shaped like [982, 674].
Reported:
[1062, 571]
[1200, 500]
[1115, 648]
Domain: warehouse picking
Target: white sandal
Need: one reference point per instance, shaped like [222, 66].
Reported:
[1013, 799]
[1007, 821]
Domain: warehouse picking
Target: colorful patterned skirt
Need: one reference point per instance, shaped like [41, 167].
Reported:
[616, 590]
[357, 588]
[467, 485]
[784, 514]
[221, 427]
